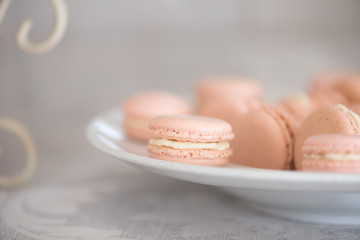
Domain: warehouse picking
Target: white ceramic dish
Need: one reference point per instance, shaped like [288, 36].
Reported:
[312, 197]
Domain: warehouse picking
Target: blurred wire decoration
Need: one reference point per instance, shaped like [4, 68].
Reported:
[56, 35]
[21, 133]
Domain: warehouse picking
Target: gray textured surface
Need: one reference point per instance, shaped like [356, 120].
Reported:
[115, 48]
[113, 201]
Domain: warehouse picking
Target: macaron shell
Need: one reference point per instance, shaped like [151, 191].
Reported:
[326, 120]
[355, 108]
[219, 87]
[350, 88]
[327, 80]
[225, 109]
[146, 105]
[323, 98]
[332, 143]
[149, 104]
[324, 165]
[262, 140]
[299, 106]
[137, 134]
[296, 108]
[191, 156]
[190, 128]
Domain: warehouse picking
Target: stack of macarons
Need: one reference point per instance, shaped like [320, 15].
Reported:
[314, 131]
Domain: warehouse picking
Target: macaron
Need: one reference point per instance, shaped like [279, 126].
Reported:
[228, 87]
[140, 108]
[327, 80]
[264, 139]
[226, 109]
[333, 119]
[355, 107]
[332, 153]
[326, 97]
[190, 139]
[350, 88]
[298, 106]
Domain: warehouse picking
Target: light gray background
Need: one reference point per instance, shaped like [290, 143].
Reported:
[113, 49]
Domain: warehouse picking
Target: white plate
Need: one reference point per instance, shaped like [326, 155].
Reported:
[313, 197]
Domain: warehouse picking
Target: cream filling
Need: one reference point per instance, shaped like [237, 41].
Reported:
[135, 123]
[189, 145]
[333, 156]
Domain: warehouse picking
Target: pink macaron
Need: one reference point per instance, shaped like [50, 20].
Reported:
[226, 109]
[190, 139]
[326, 97]
[227, 87]
[297, 106]
[263, 139]
[350, 88]
[140, 108]
[327, 80]
[355, 107]
[332, 153]
[333, 119]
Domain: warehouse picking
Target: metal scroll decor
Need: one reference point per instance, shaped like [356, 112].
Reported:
[19, 131]
[54, 38]
[22, 39]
